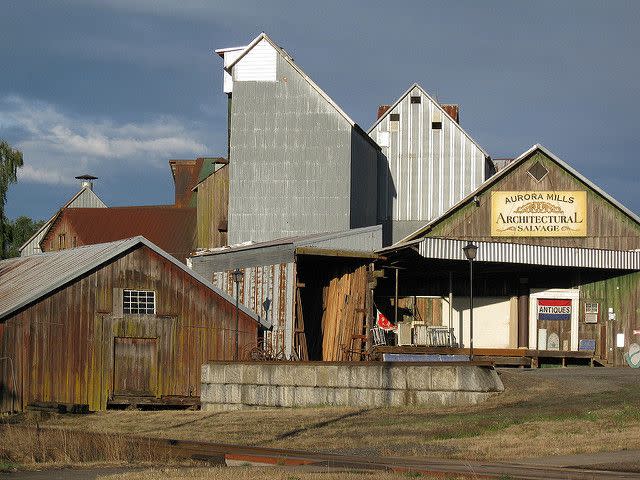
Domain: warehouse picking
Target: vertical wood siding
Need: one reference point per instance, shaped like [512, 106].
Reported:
[212, 209]
[63, 344]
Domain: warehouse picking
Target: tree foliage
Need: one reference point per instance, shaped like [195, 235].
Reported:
[17, 232]
[10, 161]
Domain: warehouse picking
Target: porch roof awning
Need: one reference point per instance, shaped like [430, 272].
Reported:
[518, 253]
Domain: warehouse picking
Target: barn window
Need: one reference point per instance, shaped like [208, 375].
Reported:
[436, 125]
[538, 171]
[394, 117]
[416, 99]
[139, 301]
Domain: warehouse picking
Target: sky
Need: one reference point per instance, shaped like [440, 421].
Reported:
[117, 88]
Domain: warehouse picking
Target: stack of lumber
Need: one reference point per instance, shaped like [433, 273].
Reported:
[344, 312]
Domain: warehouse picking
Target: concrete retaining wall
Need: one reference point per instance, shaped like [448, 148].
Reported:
[233, 385]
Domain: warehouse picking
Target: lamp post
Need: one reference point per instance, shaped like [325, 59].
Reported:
[470, 251]
[237, 277]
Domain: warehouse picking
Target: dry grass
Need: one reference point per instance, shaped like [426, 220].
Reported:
[542, 412]
[27, 446]
[251, 473]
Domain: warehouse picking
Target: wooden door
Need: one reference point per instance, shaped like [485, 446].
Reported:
[135, 366]
[603, 341]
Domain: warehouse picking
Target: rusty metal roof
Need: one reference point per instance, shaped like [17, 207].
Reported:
[171, 228]
[24, 280]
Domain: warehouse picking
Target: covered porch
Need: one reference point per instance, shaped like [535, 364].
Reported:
[532, 304]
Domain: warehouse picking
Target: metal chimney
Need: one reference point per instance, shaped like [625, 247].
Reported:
[86, 181]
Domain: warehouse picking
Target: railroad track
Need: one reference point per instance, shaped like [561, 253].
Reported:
[221, 453]
[238, 455]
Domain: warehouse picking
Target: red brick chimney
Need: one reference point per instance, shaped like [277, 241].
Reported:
[453, 111]
[382, 109]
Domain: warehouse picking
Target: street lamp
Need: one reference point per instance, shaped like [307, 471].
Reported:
[470, 251]
[237, 277]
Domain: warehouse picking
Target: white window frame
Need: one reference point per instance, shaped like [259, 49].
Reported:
[135, 299]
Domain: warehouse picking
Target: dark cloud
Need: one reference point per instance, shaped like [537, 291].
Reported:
[558, 73]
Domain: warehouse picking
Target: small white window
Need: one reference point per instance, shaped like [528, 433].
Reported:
[139, 301]
[383, 139]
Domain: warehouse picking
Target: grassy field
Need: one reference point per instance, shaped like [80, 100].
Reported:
[542, 412]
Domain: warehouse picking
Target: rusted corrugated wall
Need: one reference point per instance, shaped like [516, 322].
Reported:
[63, 345]
[213, 205]
[273, 282]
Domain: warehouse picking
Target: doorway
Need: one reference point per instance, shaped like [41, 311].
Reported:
[553, 319]
[135, 366]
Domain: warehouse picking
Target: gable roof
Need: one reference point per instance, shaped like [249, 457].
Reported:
[442, 110]
[314, 85]
[171, 228]
[504, 172]
[25, 280]
[43, 230]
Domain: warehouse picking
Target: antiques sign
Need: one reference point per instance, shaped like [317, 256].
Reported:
[538, 214]
[554, 309]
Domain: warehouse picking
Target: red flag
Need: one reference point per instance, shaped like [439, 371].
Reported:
[383, 322]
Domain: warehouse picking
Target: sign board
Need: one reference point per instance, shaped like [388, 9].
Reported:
[539, 214]
[591, 312]
[620, 340]
[587, 344]
[554, 309]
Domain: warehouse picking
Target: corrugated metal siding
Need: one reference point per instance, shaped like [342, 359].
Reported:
[63, 343]
[426, 171]
[258, 65]
[87, 199]
[447, 249]
[275, 282]
[364, 181]
[290, 160]
[366, 239]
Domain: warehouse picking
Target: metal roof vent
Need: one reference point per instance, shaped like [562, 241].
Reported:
[86, 181]
[538, 171]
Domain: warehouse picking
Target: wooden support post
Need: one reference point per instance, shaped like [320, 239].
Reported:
[523, 313]
[396, 300]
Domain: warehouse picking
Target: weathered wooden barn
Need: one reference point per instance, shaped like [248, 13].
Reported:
[114, 323]
[557, 267]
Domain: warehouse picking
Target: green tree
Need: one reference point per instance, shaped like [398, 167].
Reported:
[10, 161]
[18, 232]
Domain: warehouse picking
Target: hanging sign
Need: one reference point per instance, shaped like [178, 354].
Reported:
[538, 214]
[554, 309]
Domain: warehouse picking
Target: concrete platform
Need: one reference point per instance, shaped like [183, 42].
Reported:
[234, 385]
